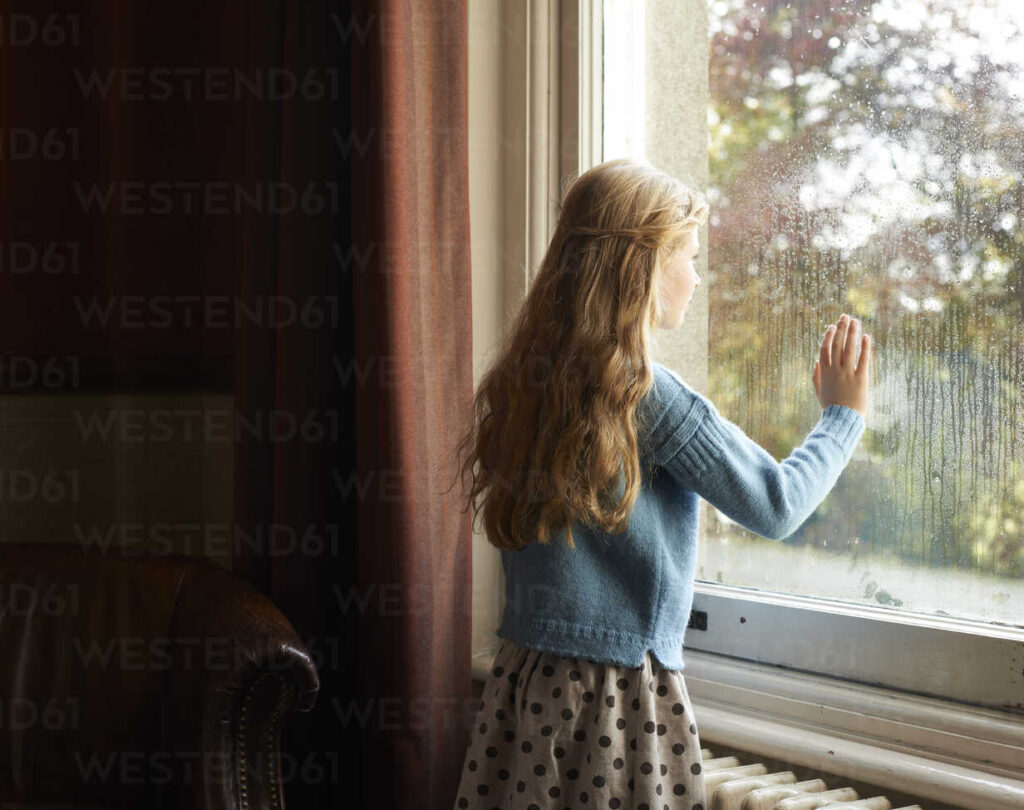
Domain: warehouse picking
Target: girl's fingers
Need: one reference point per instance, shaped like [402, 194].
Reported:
[816, 376]
[838, 341]
[850, 344]
[825, 356]
[865, 355]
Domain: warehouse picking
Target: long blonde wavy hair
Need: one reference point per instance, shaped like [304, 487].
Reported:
[555, 416]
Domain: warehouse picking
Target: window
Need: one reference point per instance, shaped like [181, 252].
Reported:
[778, 671]
[861, 157]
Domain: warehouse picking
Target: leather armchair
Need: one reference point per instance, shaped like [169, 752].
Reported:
[141, 680]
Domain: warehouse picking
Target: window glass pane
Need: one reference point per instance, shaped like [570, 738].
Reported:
[867, 157]
[623, 80]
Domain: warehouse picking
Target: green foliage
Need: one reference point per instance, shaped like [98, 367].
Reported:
[926, 247]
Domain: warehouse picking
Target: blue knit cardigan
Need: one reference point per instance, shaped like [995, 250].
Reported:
[616, 596]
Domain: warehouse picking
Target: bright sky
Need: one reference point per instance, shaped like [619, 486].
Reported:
[874, 182]
[878, 183]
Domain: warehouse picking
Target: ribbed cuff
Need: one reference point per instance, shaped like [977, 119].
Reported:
[844, 424]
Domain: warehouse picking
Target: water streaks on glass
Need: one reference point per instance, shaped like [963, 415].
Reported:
[868, 157]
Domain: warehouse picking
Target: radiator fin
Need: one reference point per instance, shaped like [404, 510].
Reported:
[732, 785]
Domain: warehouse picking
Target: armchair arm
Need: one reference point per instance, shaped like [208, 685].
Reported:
[239, 669]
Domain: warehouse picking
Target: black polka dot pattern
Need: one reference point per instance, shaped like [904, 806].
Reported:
[583, 733]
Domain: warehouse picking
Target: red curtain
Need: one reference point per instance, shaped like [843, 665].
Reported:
[386, 606]
[413, 327]
[304, 167]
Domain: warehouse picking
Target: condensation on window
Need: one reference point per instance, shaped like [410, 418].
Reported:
[867, 157]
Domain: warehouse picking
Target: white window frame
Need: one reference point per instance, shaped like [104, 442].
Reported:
[768, 672]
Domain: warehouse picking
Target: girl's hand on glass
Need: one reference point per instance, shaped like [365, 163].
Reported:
[837, 380]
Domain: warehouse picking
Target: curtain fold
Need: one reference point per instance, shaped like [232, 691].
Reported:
[386, 608]
[413, 324]
[295, 528]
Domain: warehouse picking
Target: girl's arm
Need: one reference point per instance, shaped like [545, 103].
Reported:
[708, 454]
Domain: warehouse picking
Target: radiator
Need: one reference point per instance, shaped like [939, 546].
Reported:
[732, 785]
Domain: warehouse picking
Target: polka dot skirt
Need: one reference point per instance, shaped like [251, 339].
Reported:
[554, 732]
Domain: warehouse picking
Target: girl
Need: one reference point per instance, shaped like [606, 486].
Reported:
[589, 459]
